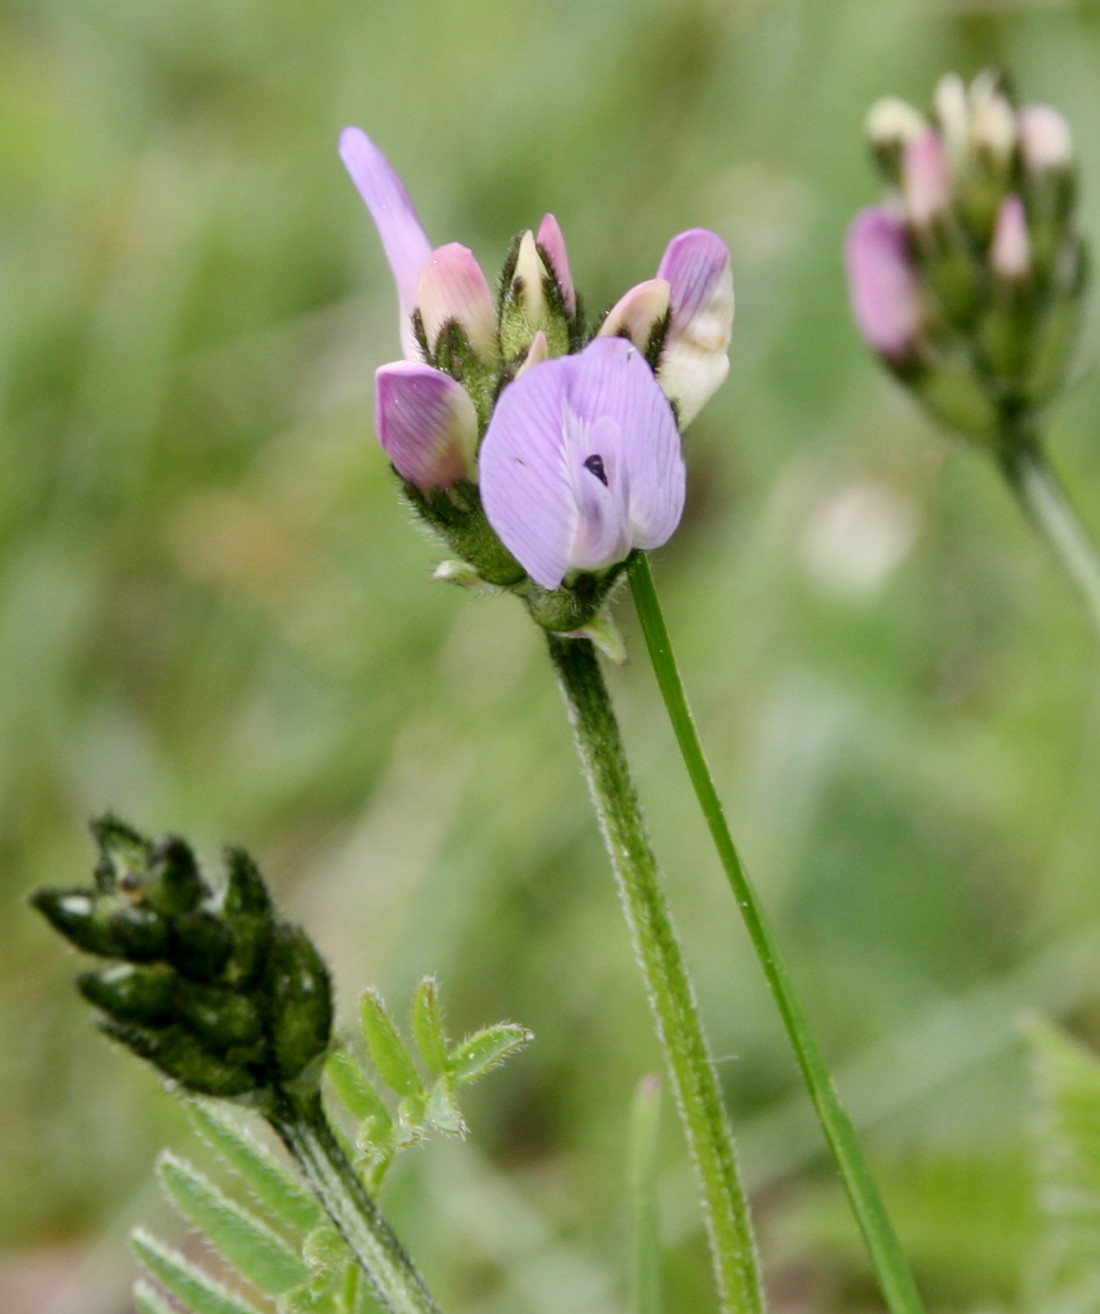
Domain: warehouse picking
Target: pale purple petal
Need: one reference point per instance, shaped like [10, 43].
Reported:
[694, 362]
[525, 483]
[1045, 141]
[552, 241]
[883, 285]
[427, 424]
[403, 238]
[612, 380]
[453, 287]
[582, 462]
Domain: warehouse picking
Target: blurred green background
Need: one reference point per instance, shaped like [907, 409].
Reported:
[216, 617]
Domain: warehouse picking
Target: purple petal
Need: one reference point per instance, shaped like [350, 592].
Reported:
[427, 424]
[403, 238]
[552, 241]
[582, 462]
[1010, 250]
[884, 290]
[453, 287]
[694, 362]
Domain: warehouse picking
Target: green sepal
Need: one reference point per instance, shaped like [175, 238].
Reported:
[388, 1051]
[122, 851]
[457, 516]
[472, 1059]
[221, 1019]
[109, 926]
[427, 1020]
[572, 606]
[246, 890]
[199, 946]
[300, 1017]
[183, 1058]
[172, 883]
[143, 995]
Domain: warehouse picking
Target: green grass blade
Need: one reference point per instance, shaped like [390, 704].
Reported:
[251, 1246]
[271, 1183]
[201, 1294]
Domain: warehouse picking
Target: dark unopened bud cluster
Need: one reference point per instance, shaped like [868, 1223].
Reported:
[968, 280]
[208, 984]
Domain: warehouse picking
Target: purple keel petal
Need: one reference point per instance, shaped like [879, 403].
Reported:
[694, 362]
[582, 462]
[403, 238]
[427, 424]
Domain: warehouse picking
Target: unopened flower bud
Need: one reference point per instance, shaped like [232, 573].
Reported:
[1010, 251]
[1046, 145]
[886, 300]
[553, 243]
[453, 291]
[427, 424]
[993, 131]
[926, 181]
[952, 110]
[891, 125]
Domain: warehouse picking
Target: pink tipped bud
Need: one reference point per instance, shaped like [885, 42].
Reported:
[453, 288]
[637, 313]
[885, 294]
[1010, 251]
[1045, 141]
[553, 243]
[926, 180]
[427, 424]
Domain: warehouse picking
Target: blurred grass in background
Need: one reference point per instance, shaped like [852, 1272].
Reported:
[215, 617]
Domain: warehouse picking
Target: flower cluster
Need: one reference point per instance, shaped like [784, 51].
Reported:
[207, 983]
[967, 281]
[543, 453]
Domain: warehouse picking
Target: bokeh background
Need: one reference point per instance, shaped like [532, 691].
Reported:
[216, 617]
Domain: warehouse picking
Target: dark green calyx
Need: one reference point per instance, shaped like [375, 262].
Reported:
[207, 984]
[458, 518]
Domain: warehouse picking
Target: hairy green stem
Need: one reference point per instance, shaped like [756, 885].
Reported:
[891, 1266]
[305, 1130]
[671, 997]
[1039, 491]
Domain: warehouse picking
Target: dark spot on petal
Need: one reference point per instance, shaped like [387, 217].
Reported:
[594, 464]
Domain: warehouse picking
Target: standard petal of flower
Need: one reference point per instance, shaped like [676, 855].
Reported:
[612, 382]
[637, 313]
[525, 482]
[453, 287]
[427, 424]
[403, 238]
[553, 243]
[885, 295]
[694, 363]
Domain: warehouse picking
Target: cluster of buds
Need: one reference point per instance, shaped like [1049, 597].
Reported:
[542, 452]
[207, 985]
[968, 280]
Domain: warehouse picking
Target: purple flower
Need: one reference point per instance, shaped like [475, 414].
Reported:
[883, 284]
[694, 286]
[582, 463]
[427, 424]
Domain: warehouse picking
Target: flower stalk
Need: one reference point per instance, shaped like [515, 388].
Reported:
[891, 1266]
[668, 985]
[304, 1129]
[1037, 488]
